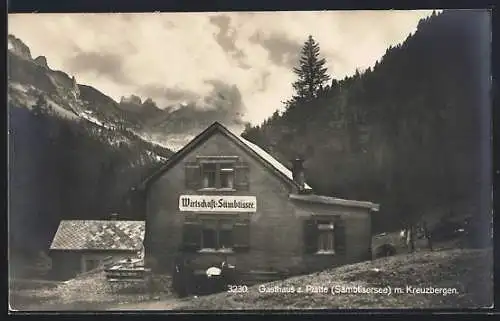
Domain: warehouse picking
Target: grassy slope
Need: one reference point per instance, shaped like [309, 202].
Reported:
[469, 271]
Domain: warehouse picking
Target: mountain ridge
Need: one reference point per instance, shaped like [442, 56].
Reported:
[143, 117]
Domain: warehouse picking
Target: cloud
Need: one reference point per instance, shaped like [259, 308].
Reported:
[226, 37]
[282, 51]
[224, 97]
[105, 64]
[173, 55]
[264, 81]
[169, 95]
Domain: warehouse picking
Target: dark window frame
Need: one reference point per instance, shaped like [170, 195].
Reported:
[231, 174]
[220, 165]
[216, 225]
[326, 229]
[316, 226]
[208, 183]
[92, 263]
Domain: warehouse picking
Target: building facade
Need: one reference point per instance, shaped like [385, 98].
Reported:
[223, 198]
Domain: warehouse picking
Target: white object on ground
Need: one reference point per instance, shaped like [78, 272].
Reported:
[213, 271]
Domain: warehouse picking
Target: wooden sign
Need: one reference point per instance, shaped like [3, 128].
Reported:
[214, 203]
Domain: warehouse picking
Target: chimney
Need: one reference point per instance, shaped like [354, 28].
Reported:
[298, 172]
[113, 216]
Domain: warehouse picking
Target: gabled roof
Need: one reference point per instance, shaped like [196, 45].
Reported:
[99, 235]
[252, 149]
[271, 160]
[312, 198]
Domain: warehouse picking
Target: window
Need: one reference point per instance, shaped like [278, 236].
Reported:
[218, 175]
[209, 238]
[326, 241]
[324, 236]
[216, 235]
[227, 176]
[217, 172]
[91, 264]
[209, 175]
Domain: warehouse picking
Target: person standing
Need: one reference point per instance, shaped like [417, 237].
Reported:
[176, 277]
[188, 277]
[179, 277]
[427, 234]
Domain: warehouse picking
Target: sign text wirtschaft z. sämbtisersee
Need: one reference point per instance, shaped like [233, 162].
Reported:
[213, 203]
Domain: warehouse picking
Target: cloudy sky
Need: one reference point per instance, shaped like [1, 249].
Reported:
[177, 57]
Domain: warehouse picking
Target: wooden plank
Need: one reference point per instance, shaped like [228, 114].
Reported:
[263, 272]
[126, 280]
[125, 274]
[128, 269]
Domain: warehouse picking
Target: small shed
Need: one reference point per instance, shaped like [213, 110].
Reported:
[83, 245]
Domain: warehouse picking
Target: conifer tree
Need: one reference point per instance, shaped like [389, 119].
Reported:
[311, 71]
[40, 107]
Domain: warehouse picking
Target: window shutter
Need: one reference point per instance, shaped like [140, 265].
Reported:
[191, 236]
[241, 181]
[310, 236]
[192, 175]
[241, 236]
[340, 237]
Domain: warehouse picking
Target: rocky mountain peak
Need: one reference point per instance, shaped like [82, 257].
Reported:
[16, 46]
[149, 101]
[41, 61]
[150, 104]
[132, 99]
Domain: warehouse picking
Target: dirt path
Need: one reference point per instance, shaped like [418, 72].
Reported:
[168, 304]
[160, 305]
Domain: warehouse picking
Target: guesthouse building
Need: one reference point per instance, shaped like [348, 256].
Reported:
[223, 198]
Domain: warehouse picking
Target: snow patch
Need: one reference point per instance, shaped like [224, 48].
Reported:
[160, 158]
[88, 115]
[20, 87]
[22, 100]
[59, 110]
[157, 157]
[172, 142]
[156, 140]
[118, 141]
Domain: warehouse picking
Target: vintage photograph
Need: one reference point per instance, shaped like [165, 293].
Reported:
[250, 160]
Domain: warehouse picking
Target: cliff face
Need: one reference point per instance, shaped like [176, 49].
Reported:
[18, 47]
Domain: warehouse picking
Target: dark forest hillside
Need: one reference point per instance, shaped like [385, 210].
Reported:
[73, 154]
[66, 169]
[411, 133]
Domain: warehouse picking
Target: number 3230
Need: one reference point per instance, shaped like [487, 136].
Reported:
[237, 288]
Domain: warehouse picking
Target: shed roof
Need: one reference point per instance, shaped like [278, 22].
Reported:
[313, 198]
[99, 235]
